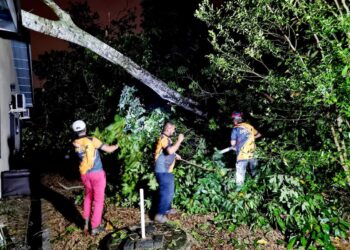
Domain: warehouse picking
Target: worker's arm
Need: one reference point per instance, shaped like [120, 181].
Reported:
[109, 148]
[257, 135]
[233, 137]
[172, 149]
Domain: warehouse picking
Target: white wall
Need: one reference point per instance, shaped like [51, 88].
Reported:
[7, 76]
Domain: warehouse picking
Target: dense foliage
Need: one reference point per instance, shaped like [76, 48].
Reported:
[289, 62]
[290, 192]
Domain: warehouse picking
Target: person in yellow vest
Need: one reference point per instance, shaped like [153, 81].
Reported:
[92, 175]
[165, 156]
[243, 138]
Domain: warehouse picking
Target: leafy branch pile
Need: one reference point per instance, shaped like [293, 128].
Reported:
[136, 134]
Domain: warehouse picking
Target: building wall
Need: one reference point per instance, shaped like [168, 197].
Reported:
[7, 76]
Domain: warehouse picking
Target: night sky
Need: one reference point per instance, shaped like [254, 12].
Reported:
[107, 10]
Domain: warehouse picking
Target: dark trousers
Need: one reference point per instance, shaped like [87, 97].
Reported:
[166, 191]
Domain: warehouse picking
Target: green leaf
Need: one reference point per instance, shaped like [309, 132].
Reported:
[303, 241]
[232, 228]
[153, 184]
[345, 71]
[291, 242]
[281, 224]
[325, 228]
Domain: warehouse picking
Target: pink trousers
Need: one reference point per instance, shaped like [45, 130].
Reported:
[95, 184]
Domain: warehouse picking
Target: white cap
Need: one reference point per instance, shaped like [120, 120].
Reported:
[78, 126]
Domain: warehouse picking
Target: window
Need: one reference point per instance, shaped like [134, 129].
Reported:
[8, 16]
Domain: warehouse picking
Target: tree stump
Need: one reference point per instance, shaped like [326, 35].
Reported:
[158, 236]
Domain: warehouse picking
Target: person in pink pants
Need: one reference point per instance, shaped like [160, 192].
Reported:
[92, 175]
[94, 184]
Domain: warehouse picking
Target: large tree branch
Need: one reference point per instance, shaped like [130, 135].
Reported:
[343, 145]
[319, 44]
[338, 7]
[63, 16]
[294, 50]
[346, 7]
[65, 29]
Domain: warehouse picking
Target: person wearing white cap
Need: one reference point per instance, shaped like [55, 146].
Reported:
[92, 175]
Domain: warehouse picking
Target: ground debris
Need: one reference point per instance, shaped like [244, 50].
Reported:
[67, 235]
[14, 218]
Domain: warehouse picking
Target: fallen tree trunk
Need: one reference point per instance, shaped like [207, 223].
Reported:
[65, 29]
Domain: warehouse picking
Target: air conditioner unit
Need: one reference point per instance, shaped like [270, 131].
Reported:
[18, 103]
[24, 115]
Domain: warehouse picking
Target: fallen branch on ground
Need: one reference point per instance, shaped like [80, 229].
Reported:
[70, 188]
[198, 166]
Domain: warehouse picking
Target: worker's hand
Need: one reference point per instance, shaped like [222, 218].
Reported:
[109, 148]
[178, 157]
[181, 137]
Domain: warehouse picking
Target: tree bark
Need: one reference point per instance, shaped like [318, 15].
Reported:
[65, 29]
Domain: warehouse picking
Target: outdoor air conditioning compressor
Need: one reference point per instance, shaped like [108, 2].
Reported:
[24, 115]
